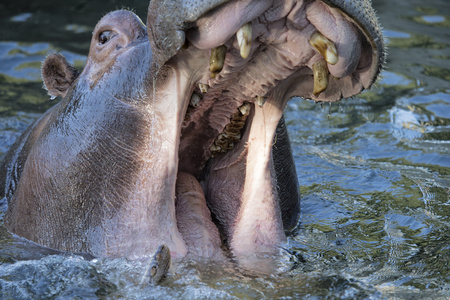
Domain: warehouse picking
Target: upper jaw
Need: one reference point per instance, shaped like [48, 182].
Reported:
[269, 53]
[352, 31]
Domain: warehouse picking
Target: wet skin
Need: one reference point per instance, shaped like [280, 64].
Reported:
[154, 136]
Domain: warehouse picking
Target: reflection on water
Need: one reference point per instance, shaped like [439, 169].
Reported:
[374, 172]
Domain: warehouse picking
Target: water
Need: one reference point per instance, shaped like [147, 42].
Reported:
[374, 172]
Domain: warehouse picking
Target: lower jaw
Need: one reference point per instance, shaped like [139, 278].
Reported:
[240, 187]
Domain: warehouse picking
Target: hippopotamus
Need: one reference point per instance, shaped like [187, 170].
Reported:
[173, 133]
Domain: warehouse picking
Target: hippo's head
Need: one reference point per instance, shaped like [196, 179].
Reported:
[200, 91]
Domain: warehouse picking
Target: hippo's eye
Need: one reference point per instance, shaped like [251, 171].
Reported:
[105, 36]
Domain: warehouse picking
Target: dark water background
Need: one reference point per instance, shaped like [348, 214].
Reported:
[374, 172]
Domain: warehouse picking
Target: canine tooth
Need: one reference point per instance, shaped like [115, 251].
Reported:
[203, 87]
[325, 47]
[217, 60]
[320, 73]
[244, 109]
[261, 100]
[195, 100]
[244, 38]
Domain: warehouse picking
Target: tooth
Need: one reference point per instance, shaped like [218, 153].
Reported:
[244, 38]
[195, 100]
[261, 100]
[235, 137]
[244, 109]
[320, 72]
[325, 47]
[221, 137]
[217, 60]
[203, 87]
[215, 148]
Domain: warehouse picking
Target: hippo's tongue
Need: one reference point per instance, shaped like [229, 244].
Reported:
[194, 218]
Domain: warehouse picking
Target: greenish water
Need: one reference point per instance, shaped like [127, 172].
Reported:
[374, 173]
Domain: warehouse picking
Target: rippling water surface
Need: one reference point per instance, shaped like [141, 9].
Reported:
[374, 173]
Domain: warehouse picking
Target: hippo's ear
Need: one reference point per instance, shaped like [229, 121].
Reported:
[58, 75]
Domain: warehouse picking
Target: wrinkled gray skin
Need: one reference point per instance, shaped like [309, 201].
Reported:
[117, 168]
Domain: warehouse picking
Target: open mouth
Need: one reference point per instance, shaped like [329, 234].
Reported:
[244, 60]
[264, 55]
